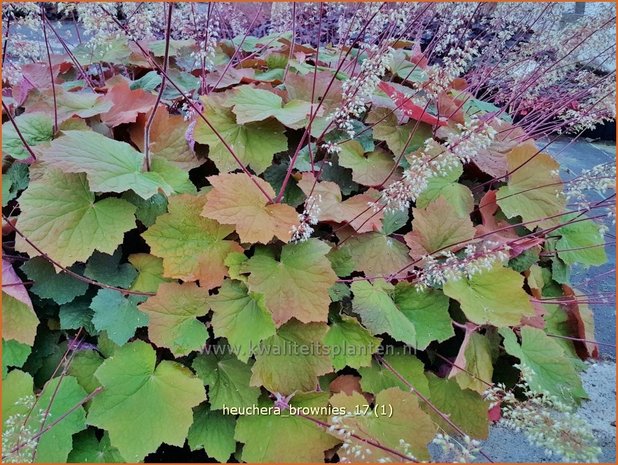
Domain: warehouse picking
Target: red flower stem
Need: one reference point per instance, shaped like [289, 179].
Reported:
[51, 69]
[239, 48]
[570, 338]
[314, 114]
[370, 442]
[77, 64]
[168, 33]
[19, 134]
[85, 400]
[441, 414]
[193, 106]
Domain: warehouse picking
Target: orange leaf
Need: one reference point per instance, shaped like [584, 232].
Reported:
[236, 200]
[126, 103]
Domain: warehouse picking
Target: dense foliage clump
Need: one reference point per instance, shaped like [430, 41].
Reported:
[354, 236]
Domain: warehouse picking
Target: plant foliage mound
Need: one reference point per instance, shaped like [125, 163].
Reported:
[345, 237]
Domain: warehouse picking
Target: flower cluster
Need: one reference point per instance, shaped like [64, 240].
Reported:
[19, 431]
[546, 421]
[476, 136]
[456, 451]
[358, 90]
[280, 17]
[307, 219]
[17, 20]
[601, 179]
[98, 25]
[356, 449]
[446, 266]
[436, 159]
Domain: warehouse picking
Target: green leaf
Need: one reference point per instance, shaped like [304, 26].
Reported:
[293, 359]
[241, 317]
[69, 104]
[378, 377]
[147, 210]
[580, 242]
[475, 359]
[60, 287]
[297, 285]
[251, 104]
[534, 189]
[405, 428]
[459, 196]
[109, 51]
[77, 314]
[117, 315]
[428, 312]
[107, 269]
[83, 367]
[60, 216]
[393, 221]
[495, 296]
[172, 317]
[349, 344]
[284, 437]
[161, 397]
[149, 82]
[547, 367]
[377, 254]
[192, 247]
[110, 165]
[175, 176]
[149, 272]
[275, 175]
[55, 445]
[214, 432]
[465, 408]
[14, 180]
[254, 144]
[524, 260]
[409, 316]
[341, 261]
[397, 136]
[371, 169]
[379, 313]
[339, 291]
[88, 449]
[36, 128]
[19, 322]
[17, 389]
[227, 379]
[14, 354]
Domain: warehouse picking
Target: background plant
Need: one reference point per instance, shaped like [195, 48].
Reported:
[195, 194]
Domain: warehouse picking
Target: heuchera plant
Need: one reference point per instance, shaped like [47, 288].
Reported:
[350, 233]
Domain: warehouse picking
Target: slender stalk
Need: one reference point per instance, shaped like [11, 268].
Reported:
[19, 134]
[85, 400]
[195, 108]
[68, 51]
[51, 69]
[438, 412]
[168, 34]
[369, 442]
[69, 272]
